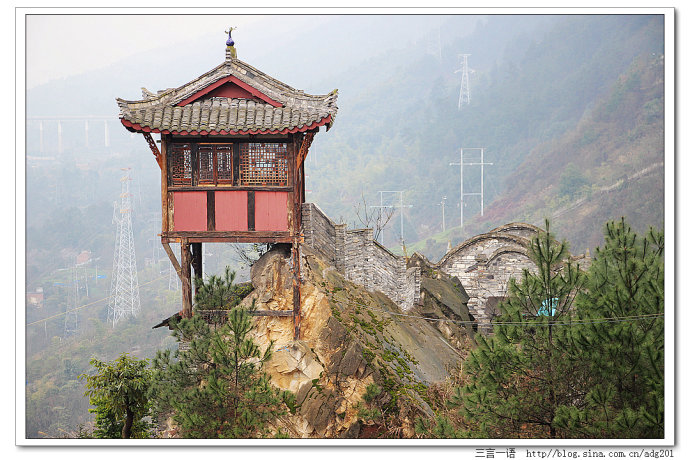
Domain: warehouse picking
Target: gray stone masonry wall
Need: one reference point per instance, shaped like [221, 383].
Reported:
[358, 260]
[484, 267]
[356, 255]
[320, 232]
[485, 263]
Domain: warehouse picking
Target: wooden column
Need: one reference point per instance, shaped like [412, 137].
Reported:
[197, 263]
[185, 255]
[295, 222]
[296, 295]
[164, 183]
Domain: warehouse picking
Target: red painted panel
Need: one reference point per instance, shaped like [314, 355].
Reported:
[231, 211]
[271, 211]
[190, 211]
[230, 91]
[231, 79]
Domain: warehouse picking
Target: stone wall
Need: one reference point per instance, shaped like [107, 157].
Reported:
[361, 259]
[484, 265]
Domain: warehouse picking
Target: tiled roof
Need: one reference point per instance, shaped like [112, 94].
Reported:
[276, 109]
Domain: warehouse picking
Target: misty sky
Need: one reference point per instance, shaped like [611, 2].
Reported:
[59, 46]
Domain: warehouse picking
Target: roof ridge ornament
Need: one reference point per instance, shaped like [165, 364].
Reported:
[230, 51]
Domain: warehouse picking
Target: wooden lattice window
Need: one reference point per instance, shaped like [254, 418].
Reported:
[263, 164]
[205, 168]
[201, 164]
[223, 158]
[180, 160]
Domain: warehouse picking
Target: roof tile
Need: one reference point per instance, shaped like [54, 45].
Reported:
[160, 112]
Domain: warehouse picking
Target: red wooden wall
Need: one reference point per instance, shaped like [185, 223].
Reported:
[271, 211]
[190, 211]
[231, 211]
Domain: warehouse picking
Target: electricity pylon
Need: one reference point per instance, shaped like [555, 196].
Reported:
[124, 287]
[464, 82]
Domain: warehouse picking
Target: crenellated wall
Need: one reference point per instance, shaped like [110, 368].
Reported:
[360, 258]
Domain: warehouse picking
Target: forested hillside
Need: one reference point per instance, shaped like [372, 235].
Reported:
[610, 165]
[402, 134]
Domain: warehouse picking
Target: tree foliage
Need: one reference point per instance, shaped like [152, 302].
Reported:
[119, 390]
[622, 340]
[216, 388]
[522, 373]
[219, 292]
[587, 364]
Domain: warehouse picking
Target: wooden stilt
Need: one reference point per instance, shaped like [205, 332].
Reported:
[186, 257]
[296, 295]
[197, 263]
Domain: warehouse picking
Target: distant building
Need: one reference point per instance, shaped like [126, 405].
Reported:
[35, 299]
[83, 257]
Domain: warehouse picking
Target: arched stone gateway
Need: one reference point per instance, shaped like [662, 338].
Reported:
[485, 263]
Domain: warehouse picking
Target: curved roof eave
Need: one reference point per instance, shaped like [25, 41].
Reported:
[135, 127]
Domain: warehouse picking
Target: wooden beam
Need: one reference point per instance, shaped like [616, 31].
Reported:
[214, 314]
[173, 259]
[154, 149]
[304, 148]
[228, 237]
[280, 313]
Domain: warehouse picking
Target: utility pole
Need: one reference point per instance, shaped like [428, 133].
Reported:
[443, 212]
[463, 194]
[59, 130]
[124, 289]
[401, 206]
[465, 81]
[105, 133]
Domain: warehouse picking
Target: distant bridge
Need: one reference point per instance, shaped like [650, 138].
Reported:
[85, 118]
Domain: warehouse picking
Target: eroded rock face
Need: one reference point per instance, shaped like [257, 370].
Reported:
[350, 338]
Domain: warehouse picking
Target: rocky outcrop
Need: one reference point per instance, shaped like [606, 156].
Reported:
[351, 338]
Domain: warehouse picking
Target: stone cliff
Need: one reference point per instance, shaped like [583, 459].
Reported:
[351, 338]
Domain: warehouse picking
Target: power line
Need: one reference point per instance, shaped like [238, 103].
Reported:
[87, 305]
[619, 319]
[401, 206]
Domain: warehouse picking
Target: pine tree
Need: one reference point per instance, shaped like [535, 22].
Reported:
[622, 338]
[216, 388]
[524, 372]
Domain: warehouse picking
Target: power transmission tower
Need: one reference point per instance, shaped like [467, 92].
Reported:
[124, 288]
[464, 82]
[401, 206]
[463, 194]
